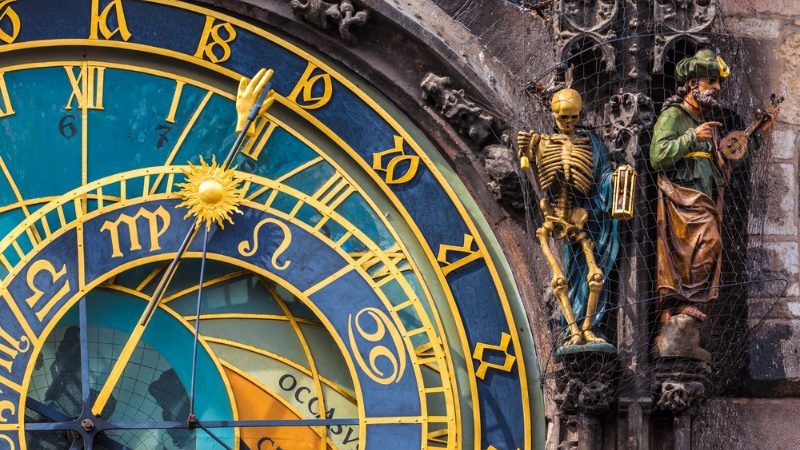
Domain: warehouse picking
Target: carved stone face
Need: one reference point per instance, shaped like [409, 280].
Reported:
[566, 106]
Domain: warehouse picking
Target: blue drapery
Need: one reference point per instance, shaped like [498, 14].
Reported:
[603, 231]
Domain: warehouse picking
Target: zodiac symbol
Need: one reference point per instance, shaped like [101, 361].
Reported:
[396, 358]
[247, 249]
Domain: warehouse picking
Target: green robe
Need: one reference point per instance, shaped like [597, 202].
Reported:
[689, 213]
[673, 138]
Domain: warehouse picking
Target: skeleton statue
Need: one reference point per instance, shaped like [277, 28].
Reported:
[575, 174]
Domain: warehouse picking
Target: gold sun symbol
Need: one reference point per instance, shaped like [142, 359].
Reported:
[211, 193]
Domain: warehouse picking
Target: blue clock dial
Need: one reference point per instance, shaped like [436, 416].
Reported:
[353, 300]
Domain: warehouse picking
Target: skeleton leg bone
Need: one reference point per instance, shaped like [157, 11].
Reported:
[560, 286]
[595, 280]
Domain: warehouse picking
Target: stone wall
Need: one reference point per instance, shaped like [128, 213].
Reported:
[771, 29]
[746, 424]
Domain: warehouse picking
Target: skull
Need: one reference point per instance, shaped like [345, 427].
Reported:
[566, 106]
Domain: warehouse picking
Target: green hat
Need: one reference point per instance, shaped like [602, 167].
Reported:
[703, 64]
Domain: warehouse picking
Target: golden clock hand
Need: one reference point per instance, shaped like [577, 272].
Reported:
[33, 234]
[253, 98]
[252, 92]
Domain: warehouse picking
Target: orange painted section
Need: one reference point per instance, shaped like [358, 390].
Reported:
[254, 403]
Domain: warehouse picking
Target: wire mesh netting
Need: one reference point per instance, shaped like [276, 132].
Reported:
[626, 75]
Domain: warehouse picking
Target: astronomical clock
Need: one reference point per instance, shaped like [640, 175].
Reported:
[182, 269]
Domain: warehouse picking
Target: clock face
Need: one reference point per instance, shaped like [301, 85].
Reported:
[352, 302]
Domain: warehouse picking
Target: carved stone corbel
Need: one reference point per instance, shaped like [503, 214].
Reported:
[324, 14]
[678, 397]
[628, 115]
[677, 20]
[680, 384]
[590, 398]
[467, 118]
[586, 391]
[586, 383]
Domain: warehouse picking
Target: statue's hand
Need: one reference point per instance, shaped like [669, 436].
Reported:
[526, 140]
[705, 131]
[249, 92]
[767, 127]
[523, 141]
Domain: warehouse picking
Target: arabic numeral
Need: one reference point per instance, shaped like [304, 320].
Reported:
[66, 126]
[162, 130]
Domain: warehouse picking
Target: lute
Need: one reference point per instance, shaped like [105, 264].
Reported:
[734, 144]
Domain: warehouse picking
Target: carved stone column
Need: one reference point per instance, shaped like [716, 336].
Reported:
[679, 386]
[629, 117]
[586, 391]
[681, 369]
[634, 423]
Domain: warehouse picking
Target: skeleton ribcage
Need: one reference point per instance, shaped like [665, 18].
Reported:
[564, 163]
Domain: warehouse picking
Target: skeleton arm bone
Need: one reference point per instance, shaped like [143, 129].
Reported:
[526, 142]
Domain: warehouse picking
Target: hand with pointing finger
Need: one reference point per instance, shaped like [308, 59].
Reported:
[705, 131]
[247, 96]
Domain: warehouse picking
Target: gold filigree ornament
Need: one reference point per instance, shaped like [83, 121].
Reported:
[211, 193]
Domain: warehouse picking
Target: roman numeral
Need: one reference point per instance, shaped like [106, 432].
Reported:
[176, 98]
[253, 145]
[438, 438]
[334, 191]
[427, 356]
[261, 190]
[5, 101]
[381, 272]
[87, 86]
[331, 194]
